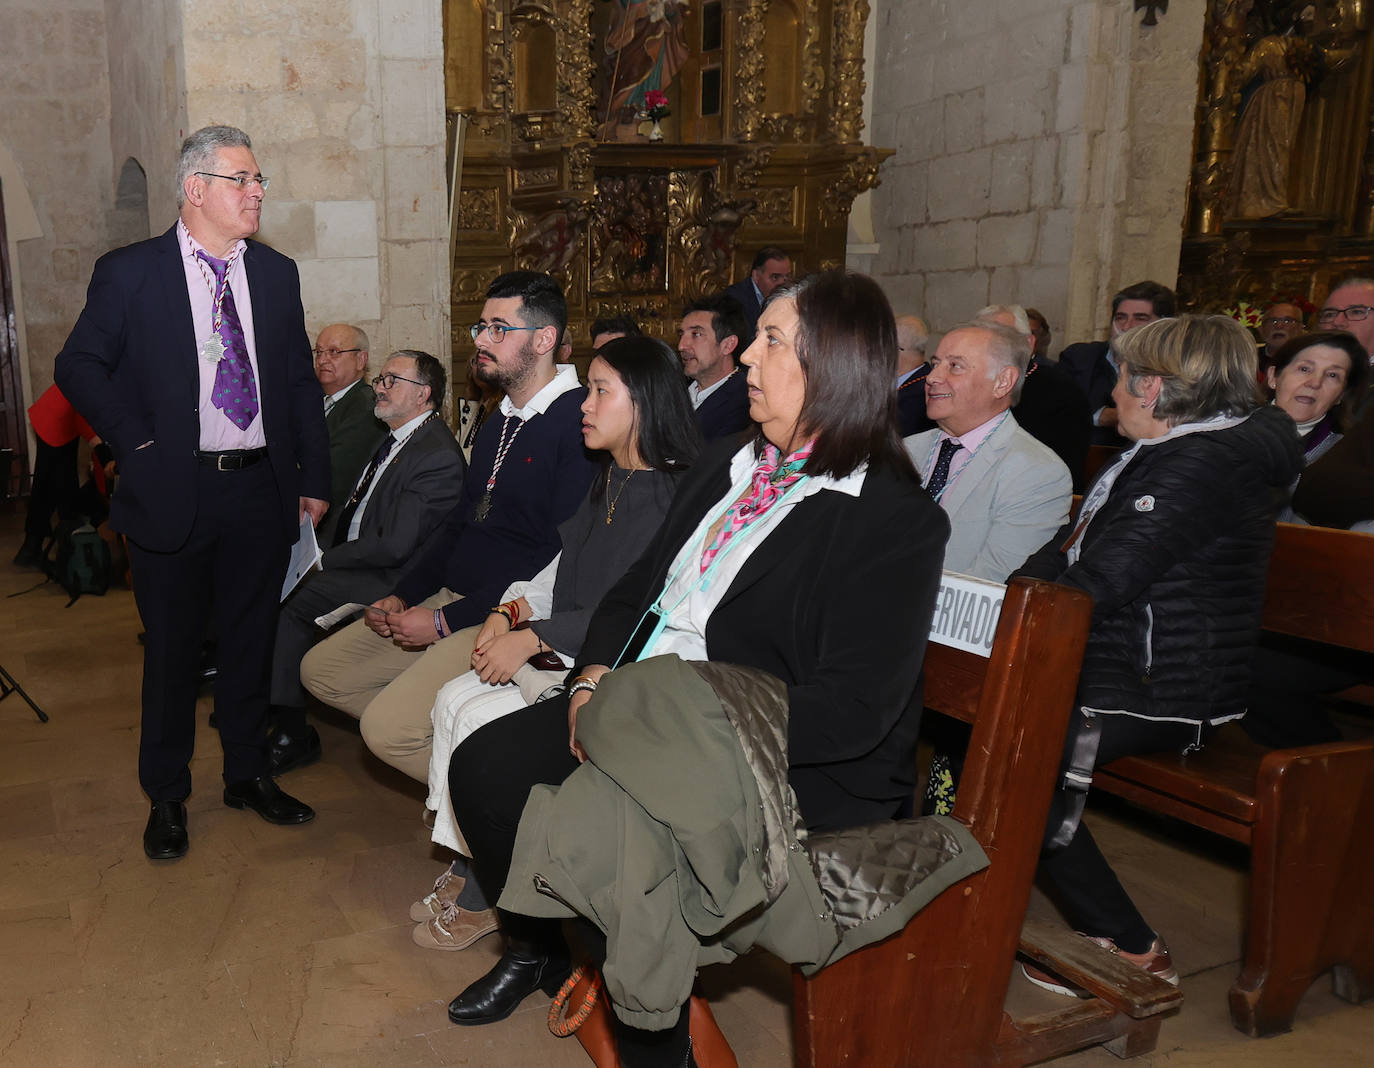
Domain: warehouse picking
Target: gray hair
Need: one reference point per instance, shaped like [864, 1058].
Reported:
[1020, 321]
[1006, 348]
[920, 332]
[430, 372]
[1206, 365]
[360, 338]
[198, 152]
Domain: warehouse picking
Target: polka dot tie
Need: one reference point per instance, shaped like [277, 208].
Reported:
[940, 475]
[236, 391]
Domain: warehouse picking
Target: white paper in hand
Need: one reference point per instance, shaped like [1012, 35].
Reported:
[305, 556]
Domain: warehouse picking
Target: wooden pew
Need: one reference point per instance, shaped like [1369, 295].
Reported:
[1307, 814]
[934, 994]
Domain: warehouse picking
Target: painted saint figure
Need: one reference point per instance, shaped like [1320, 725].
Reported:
[645, 48]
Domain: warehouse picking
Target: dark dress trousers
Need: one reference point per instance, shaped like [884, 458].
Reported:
[726, 411]
[201, 540]
[354, 434]
[1086, 363]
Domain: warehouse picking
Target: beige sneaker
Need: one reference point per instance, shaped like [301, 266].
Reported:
[446, 890]
[1156, 960]
[454, 928]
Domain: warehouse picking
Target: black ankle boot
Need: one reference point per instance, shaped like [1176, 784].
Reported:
[522, 969]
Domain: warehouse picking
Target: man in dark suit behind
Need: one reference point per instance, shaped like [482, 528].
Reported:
[410, 482]
[341, 353]
[191, 359]
[772, 267]
[712, 331]
[912, 337]
[1092, 365]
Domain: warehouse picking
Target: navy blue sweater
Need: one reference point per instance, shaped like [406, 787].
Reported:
[544, 478]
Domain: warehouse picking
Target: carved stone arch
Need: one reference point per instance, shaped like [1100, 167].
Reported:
[129, 221]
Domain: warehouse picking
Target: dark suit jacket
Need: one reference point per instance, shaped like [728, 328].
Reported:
[130, 367]
[415, 492]
[1086, 363]
[726, 411]
[354, 434]
[911, 403]
[1054, 410]
[743, 291]
[853, 690]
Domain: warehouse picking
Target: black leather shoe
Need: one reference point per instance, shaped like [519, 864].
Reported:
[286, 752]
[521, 971]
[266, 798]
[165, 836]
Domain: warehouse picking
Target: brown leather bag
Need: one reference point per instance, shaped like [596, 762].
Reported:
[590, 1020]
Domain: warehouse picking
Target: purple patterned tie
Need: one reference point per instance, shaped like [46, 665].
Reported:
[236, 393]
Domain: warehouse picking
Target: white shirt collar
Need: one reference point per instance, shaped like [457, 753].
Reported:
[563, 381]
[336, 397]
[406, 429]
[696, 394]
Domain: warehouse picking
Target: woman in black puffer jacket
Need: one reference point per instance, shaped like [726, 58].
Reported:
[1172, 543]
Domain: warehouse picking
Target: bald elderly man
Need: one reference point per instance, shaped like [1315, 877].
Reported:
[354, 432]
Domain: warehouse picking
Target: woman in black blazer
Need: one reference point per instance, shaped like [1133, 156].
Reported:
[776, 554]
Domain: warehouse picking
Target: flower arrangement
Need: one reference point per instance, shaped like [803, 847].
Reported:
[1245, 312]
[656, 105]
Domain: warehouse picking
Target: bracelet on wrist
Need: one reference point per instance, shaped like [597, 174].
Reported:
[439, 622]
[581, 683]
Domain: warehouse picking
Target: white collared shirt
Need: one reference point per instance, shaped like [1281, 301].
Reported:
[333, 398]
[401, 434]
[696, 394]
[217, 432]
[563, 381]
[690, 604]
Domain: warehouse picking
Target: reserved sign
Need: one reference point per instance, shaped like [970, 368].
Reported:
[966, 611]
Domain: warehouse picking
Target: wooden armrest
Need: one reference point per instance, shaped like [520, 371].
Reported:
[1121, 984]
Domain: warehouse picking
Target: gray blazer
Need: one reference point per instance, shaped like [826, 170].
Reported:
[354, 434]
[416, 491]
[1006, 502]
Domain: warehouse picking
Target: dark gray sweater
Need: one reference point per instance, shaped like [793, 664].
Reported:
[596, 553]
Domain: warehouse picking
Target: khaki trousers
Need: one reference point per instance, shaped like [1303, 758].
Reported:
[390, 690]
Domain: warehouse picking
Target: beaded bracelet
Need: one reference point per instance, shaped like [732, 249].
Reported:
[582, 683]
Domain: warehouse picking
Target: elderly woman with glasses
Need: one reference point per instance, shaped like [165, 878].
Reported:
[757, 565]
[1173, 544]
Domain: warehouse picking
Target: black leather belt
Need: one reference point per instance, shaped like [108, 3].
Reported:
[232, 459]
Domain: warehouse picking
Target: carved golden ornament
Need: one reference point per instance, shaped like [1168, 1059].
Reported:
[498, 60]
[751, 164]
[575, 71]
[550, 241]
[470, 286]
[858, 174]
[478, 209]
[812, 65]
[579, 156]
[846, 122]
[531, 177]
[776, 207]
[748, 76]
[701, 235]
[629, 232]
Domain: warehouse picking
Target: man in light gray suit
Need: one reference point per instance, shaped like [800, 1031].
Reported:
[1005, 493]
[411, 481]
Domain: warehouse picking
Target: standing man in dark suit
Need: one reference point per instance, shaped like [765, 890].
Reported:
[409, 483]
[1092, 365]
[912, 337]
[341, 353]
[191, 359]
[771, 268]
[711, 332]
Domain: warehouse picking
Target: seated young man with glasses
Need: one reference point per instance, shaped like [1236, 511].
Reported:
[528, 473]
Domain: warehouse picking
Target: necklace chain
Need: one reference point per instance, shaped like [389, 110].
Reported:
[503, 447]
[612, 501]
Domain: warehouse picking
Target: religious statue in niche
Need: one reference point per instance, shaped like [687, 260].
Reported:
[630, 233]
[1276, 73]
[645, 47]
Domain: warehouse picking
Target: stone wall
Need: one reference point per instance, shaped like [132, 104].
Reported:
[344, 100]
[54, 127]
[1037, 160]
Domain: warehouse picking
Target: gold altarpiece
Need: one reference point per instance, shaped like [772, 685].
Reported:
[762, 146]
[1282, 193]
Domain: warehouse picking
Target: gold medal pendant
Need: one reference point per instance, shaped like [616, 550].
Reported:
[212, 349]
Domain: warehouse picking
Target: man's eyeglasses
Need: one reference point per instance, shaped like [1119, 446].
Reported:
[388, 380]
[333, 354]
[497, 330]
[1354, 313]
[240, 180]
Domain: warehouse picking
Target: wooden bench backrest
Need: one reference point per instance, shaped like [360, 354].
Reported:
[1319, 586]
[933, 994]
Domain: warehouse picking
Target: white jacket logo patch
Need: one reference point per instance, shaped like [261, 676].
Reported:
[1145, 503]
